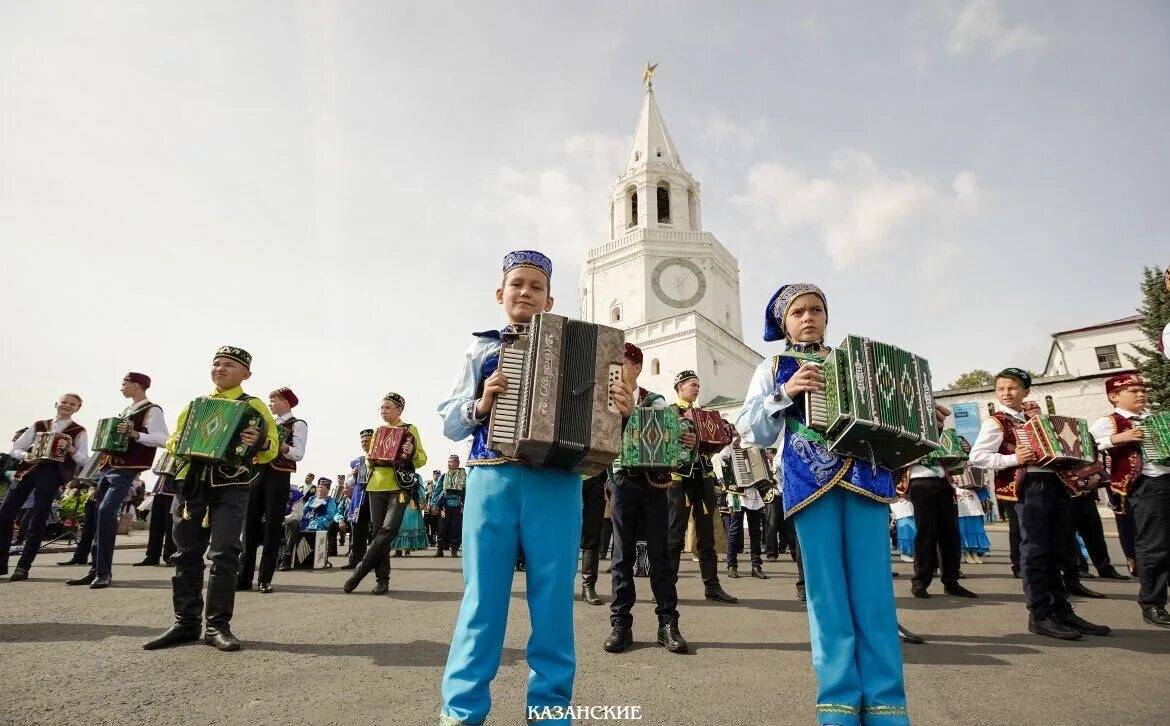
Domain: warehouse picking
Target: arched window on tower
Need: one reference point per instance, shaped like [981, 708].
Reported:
[663, 203]
[633, 208]
[693, 209]
[615, 313]
[655, 369]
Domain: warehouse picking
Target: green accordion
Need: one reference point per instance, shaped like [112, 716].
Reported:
[651, 440]
[953, 454]
[211, 431]
[1156, 438]
[107, 438]
[877, 404]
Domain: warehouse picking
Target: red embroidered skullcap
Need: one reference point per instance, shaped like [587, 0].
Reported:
[287, 394]
[140, 378]
[1122, 381]
[634, 353]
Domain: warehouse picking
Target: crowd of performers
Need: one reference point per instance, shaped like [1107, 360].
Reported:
[834, 512]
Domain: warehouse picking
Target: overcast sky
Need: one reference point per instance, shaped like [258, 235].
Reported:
[332, 185]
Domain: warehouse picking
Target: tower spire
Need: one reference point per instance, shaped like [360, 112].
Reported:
[652, 143]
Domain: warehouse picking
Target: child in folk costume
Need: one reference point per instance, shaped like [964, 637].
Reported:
[905, 527]
[1142, 487]
[1041, 508]
[447, 502]
[389, 497]
[840, 507]
[972, 529]
[357, 515]
[508, 506]
[210, 502]
[412, 535]
[40, 481]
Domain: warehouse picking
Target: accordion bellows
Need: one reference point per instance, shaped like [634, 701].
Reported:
[877, 404]
[1060, 442]
[212, 430]
[557, 412]
[108, 439]
[49, 446]
[1156, 438]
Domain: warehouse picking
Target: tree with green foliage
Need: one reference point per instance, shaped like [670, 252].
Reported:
[1155, 314]
[970, 379]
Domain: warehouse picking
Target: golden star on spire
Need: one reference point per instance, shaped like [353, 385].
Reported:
[648, 75]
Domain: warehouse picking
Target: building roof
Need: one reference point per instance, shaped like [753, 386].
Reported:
[1038, 381]
[1099, 326]
[721, 402]
[651, 137]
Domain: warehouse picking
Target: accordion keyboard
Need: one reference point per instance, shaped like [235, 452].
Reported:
[506, 412]
[816, 409]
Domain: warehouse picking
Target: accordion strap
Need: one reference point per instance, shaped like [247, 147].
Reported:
[803, 431]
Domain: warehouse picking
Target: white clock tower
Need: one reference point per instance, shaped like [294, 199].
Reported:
[670, 285]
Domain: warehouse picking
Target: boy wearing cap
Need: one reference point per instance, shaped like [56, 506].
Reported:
[1143, 486]
[692, 494]
[357, 514]
[388, 501]
[268, 495]
[447, 501]
[840, 507]
[148, 431]
[42, 479]
[211, 499]
[510, 506]
[1042, 508]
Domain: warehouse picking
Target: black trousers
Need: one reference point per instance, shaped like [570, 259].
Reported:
[1150, 501]
[42, 482]
[1045, 529]
[693, 497]
[733, 526]
[225, 508]
[639, 510]
[592, 512]
[1008, 510]
[386, 510]
[267, 498]
[606, 536]
[1086, 520]
[432, 524]
[936, 543]
[359, 533]
[160, 543]
[775, 531]
[450, 526]
[88, 529]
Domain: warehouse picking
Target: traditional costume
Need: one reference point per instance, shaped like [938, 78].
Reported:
[447, 499]
[509, 506]
[211, 499]
[735, 507]
[412, 535]
[1142, 487]
[358, 512]
[640, 512]
[40, 480]
[840, 506]
[905, 528]
[390, 492]
[267, 495]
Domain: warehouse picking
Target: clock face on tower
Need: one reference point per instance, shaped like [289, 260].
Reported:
[678, 282]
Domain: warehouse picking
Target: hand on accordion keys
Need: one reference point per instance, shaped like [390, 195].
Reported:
[807, 378]
[496, 384]
[250, 436]
[1025, 455]
[408, 447]
[1132, 436]
[940, 415]
[623, 398]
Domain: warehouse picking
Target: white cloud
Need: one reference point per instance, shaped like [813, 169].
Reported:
[723, 137]
[979, 25]
[857, 210]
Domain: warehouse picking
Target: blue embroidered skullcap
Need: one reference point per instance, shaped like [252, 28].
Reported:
[777, 308]
[528, 258]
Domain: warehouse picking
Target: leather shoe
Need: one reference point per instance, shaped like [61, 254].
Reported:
[589, 594]
[733, 572]
[907, 637]
[1079, 624]
[1110, 573]
[919, 591]
[800, 594]
[100, 583]
[18, 574]
[619, 639]
[221, 638]
[718, 594]
[265, 588]
[381, 588]
[758, 573]
[351, 583]
[1052, 629]
[1156, 615]
[175, 635]
[70, 563]
[670, 638]
[958, 591]
[148, 562]
[83, 580]
[1076, 588]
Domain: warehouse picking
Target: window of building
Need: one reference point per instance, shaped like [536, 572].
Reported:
[1050, 405]
[655, 369]
[693, 209]
[658, 153]
[633, 208]
[1107, 357]
[615, 314]
[663, 204]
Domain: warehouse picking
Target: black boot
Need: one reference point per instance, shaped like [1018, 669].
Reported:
[589, 577]
[174, 636]
[1156, 615]
[758, 572]
[1075, 587]
[439, 553]
[187, 596]
[1109, 572]
[619, 639]
[85, 579]
[670, 638]
[221, 603]
[718, 594]
[733, 572]
[907, 637]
